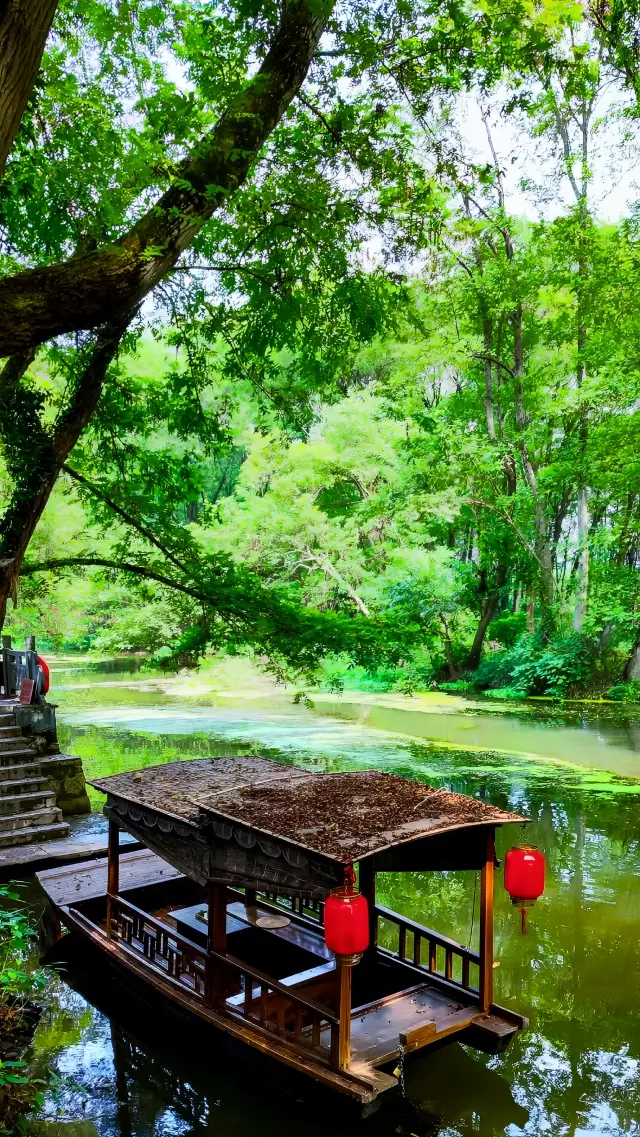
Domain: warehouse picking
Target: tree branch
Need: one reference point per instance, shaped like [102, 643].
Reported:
[122, 513]
[485, 355]
[54, 564]
[95, 287]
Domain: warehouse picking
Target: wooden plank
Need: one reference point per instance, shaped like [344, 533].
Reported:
[56, 853]
[375, 1035]
[72, 883]
[418, 1037]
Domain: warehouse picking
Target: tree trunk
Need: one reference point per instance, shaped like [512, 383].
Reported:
[49, 453]
[580, 609]
[488, 612]
[24, 27]
[543, 547]
[96, 287]
[631, 671]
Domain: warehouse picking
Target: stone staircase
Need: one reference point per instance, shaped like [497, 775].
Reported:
[28, 810]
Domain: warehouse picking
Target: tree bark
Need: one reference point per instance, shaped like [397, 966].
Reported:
[580, 609]
[489, 610]
[24, 27]
[97, 287]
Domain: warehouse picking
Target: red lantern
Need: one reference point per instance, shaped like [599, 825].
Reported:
[46, 674]
[524, 877]
[346, 922]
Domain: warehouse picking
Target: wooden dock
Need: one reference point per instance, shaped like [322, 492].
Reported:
[20, 860]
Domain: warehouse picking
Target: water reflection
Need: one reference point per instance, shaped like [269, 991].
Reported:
[133, 1074]
[575, 974]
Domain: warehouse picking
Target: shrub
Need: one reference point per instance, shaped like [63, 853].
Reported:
[19, 1093]
[531, 667]
[625, 692]
[507, 628]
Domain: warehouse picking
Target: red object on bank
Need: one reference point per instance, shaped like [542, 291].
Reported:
[46, 675]
[524, 868]
[346, 921]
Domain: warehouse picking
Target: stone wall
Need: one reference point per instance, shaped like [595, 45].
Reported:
[66, 776]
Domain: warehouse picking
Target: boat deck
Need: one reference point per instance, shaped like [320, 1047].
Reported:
[69, 884]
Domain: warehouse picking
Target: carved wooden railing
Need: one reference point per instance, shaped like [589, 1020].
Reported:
[281, 1009]
[177, 957]
[262, 1001]
[18, 664]
[431, 952]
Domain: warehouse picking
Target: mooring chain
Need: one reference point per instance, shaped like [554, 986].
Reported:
[399, 1070]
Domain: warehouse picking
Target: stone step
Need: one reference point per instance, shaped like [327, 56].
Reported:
[29, 818]
[13, 804]
[7, 720]
[10, 757]
[19, 770]
[11, 787]
[14, 743]
[10, 732]
[35, 833]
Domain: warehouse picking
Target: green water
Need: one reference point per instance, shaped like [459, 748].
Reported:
[575, 1071]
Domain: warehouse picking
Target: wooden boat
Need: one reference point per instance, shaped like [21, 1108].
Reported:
[221, 911]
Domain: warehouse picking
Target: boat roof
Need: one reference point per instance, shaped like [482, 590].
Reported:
[342, 816]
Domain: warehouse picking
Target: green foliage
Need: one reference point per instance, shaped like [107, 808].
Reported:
[625, 692]
[20, 1092]
[533, 667]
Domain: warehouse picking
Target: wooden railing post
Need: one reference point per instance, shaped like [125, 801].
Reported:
[6, 674]
[216, 942]
[344, 1038]
[367, 886]
[486, 926]
[113, 872]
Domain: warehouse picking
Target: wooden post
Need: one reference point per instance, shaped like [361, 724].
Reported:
[6, 667]
[344, 1038]
[367, 886]
[486, 926]
[30, 651]
[217, 941]
[113, 871]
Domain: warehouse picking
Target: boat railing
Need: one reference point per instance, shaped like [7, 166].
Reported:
[301, 908]
[445, 959]
[180, 959]
[263, 1000]
[278, 1008]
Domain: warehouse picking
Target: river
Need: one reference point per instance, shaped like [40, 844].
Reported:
[574, 770]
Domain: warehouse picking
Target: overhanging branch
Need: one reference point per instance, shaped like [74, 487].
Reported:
[95, 287]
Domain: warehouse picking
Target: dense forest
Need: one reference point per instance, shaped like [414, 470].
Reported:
[367, 408]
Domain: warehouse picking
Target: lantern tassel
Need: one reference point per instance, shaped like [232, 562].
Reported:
[523, 921]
